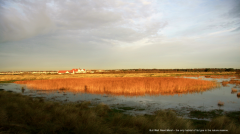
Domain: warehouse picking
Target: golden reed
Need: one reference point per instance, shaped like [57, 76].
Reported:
[234, 90]
[220, 103]
[127, 86]
[236, 82]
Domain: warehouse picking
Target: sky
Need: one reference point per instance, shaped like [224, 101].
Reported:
[119, 34]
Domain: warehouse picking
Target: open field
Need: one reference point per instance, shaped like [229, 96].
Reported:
[24, 114]
[127, 86]
[56, 76]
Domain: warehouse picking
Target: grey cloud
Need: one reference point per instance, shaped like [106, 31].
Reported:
[23, 22]
[99, 20]
[236, 30]
[120, 34]
[235, 11]
[95, 14]
[89, 19]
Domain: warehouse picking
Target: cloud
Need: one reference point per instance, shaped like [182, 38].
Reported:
[118, 34]
[235, 11]
[100, 20]
[21, 21]
[236, 30]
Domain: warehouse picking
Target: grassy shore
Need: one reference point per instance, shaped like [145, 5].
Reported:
[23, 114]
[9, 78]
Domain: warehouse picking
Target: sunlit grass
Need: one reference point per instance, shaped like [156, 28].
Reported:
[132, 86]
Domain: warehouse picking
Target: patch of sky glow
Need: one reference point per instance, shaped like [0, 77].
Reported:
[221, 32]
[132, 45]
[51, 4]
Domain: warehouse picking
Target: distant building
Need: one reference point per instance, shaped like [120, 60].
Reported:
[73, 71]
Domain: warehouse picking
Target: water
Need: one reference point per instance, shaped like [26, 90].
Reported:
[204, 101]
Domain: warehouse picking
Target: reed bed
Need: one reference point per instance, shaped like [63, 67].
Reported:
[131, 86]
[225, 83]
[238, 95]
[218, 77]
[234, 90]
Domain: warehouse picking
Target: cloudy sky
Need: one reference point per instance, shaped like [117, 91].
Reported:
[119, 34]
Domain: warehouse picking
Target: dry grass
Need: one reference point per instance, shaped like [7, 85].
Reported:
[57, 76]
[133, 86]
[224, 123]
[220, 103]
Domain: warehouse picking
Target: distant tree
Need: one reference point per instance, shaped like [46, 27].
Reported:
[229, 70]
[237, 71]
[207, 70]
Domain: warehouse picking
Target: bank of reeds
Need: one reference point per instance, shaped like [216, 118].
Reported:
[232, 81]
[131, 86]
[238, 95]
[23, 114]
[220, 103]
[219, 76]
[234, 90]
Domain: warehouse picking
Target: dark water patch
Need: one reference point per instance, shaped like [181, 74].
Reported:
[140, 109]
[206, 114]
[126, 108]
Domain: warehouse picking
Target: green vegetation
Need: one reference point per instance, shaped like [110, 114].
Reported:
[12, 81]
[9, 81]
[23, 114]
[229, 70]
[140, 109]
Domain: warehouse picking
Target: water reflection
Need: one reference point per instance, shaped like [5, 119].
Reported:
[139, 86]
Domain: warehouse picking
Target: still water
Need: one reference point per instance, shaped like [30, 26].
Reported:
[145, 104]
